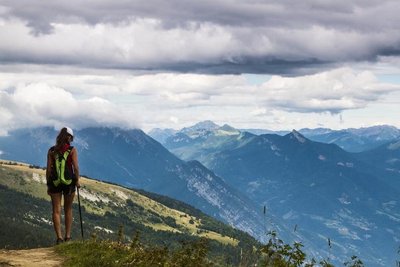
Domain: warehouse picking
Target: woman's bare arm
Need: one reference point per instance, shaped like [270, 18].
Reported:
[49, 166]
[74, 155]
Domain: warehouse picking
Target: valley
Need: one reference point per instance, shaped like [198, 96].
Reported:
[333, 201]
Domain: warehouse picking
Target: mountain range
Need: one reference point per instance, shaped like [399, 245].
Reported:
[335, 202]
[133, 159]
[351, 140]
[320, 188]
[354, 140]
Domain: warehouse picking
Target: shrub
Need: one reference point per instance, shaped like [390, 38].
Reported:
[109, 253]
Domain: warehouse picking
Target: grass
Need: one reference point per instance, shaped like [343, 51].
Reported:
[23, 175]
[108, 253]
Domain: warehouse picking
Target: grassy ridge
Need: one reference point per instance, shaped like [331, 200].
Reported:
[107, 208]
[101, 198]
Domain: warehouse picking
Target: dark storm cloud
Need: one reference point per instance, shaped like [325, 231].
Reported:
[352, 15]
[254, 65]
[276, 37]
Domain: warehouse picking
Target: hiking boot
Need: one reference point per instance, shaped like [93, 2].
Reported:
[67, 239]
[59, 241]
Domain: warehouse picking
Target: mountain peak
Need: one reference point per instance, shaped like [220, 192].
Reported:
[206, 125]
[228, 128]
[298, 136]
[201, 126]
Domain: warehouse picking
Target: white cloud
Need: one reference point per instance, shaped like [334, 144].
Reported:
[147, 62]
[173, 119]
[332, 91]
[38, 104]
[165, 99]
[259, 112]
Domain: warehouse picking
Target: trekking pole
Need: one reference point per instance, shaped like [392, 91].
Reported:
[80, 212]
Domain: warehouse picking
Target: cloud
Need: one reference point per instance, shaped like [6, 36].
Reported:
[159, 99]
[340, 14]
[38, 104]
[333, 91]
[218, 37]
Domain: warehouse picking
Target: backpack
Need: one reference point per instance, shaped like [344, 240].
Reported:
[62, 174]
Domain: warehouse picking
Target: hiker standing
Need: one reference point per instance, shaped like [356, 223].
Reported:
[62, 176]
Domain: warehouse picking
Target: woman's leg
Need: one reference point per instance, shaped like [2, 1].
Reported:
[56, 204]
[68, 200]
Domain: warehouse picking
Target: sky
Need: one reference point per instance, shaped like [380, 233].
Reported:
[276, 65]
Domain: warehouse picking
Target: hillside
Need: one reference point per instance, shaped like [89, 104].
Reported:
[321, 190]
[133, 159]
[312, 192]
[107, 209]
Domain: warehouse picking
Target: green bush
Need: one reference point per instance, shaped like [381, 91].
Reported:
[194, 253]
[109, 253]
[278, 254]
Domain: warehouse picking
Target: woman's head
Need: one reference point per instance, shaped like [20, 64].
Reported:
[66, 136]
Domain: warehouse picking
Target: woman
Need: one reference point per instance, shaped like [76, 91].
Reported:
[62, 176]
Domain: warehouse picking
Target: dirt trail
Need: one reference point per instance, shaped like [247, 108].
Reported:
[31, 258]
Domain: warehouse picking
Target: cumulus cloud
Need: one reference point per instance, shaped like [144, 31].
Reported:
[161, 99]
[333, 91]
[285, 37]
[38, 104]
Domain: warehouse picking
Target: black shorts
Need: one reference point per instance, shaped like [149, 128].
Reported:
[61, 188]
